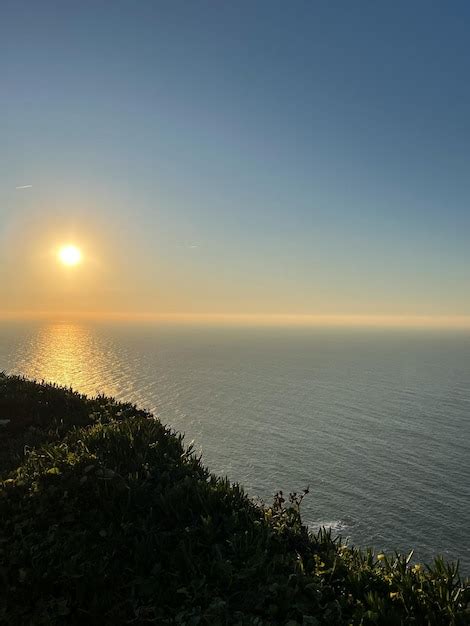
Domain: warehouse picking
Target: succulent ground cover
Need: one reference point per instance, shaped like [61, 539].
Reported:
[107, 518]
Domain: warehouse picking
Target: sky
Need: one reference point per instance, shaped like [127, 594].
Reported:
[280, 160]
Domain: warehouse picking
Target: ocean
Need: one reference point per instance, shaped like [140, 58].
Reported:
[375, 422]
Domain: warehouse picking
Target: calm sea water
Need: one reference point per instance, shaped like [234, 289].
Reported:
[377, 423]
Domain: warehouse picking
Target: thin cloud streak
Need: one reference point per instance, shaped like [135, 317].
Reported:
[23, 187]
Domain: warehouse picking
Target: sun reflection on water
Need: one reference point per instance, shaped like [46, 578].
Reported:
[68, 354]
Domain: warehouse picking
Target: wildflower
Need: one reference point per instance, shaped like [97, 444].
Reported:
[417, 568]
[380, 557]
[394, 594]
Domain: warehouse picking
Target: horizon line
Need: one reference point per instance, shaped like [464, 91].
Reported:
[255, 319]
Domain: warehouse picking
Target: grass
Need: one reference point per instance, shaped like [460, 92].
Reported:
[106, 518]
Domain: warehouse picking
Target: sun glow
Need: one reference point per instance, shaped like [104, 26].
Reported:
[69, 255]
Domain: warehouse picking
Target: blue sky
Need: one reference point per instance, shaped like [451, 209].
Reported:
[253, 157]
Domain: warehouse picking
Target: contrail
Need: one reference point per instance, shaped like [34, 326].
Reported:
[23, 186]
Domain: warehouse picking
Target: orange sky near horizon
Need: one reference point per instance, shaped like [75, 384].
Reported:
[164, 278]
[117, 279]
[270, 320]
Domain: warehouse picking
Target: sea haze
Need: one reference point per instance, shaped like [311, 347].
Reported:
[377, 423]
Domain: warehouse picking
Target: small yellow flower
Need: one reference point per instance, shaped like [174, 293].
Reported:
[417, 568]
[394, 594]
[380, 557]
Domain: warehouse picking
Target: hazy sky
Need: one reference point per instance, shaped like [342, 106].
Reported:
[269, 158]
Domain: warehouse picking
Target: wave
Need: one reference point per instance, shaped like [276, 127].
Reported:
[335, 526]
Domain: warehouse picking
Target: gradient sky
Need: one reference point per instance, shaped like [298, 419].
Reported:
[268, 158]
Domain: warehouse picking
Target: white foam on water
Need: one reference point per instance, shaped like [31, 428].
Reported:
[335, 526]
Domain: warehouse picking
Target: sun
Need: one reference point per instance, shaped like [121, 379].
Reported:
[69, 255]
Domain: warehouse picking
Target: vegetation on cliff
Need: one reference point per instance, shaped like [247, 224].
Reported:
[106, 518]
